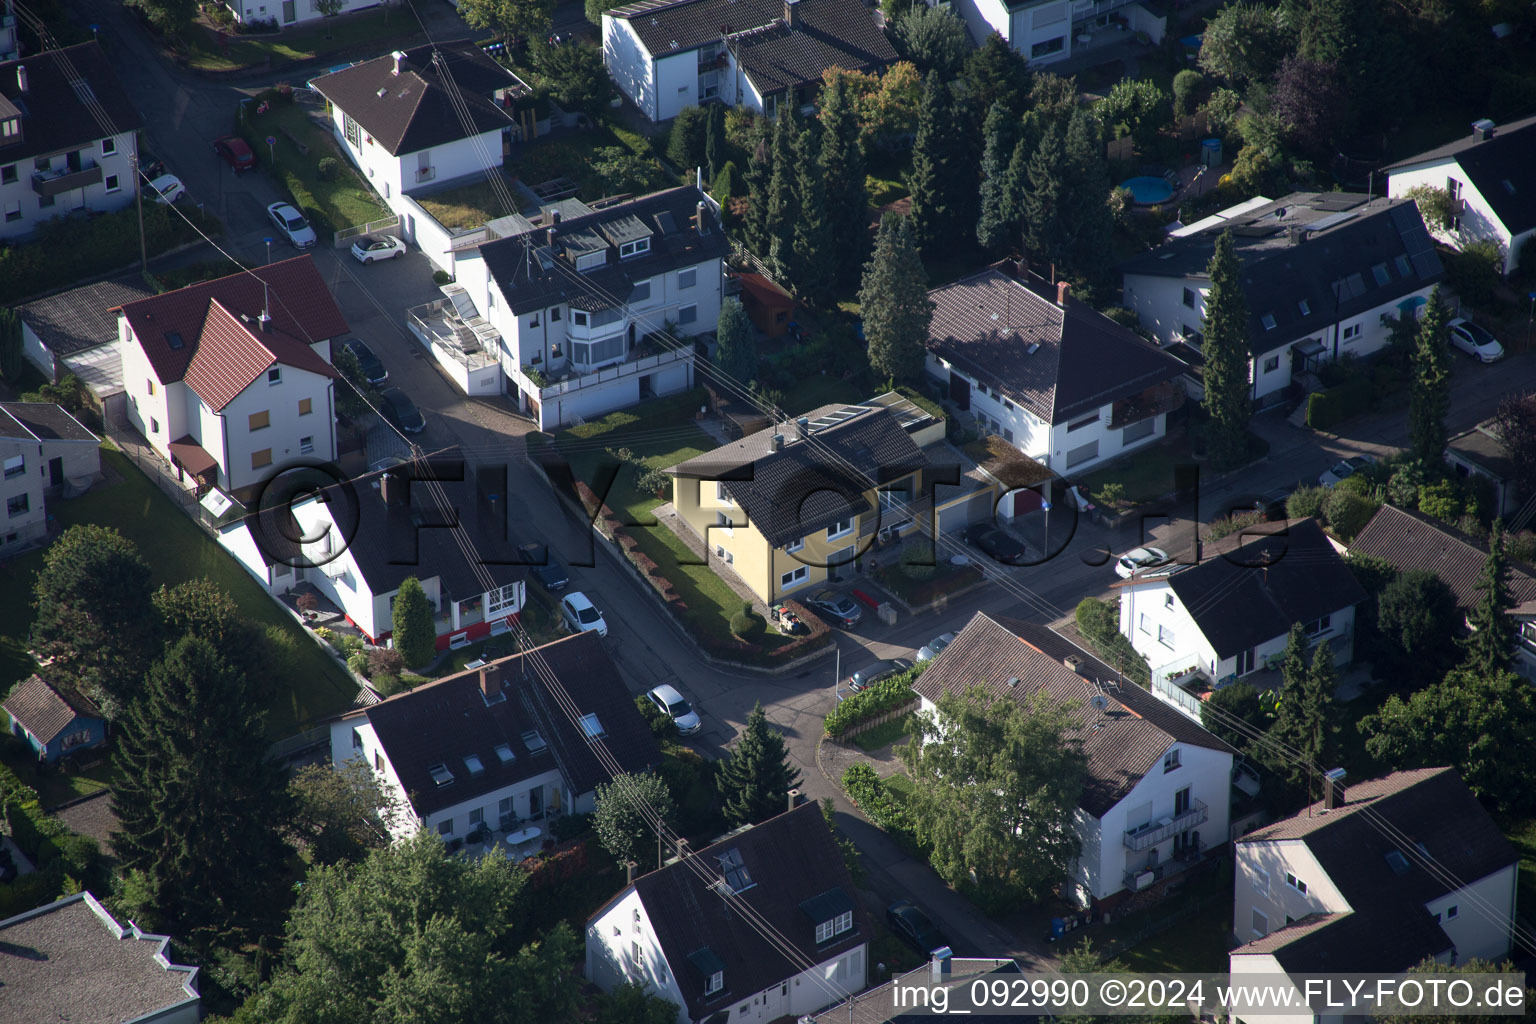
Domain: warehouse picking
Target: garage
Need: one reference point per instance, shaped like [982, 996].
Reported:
[1019, 502]
[975, 507]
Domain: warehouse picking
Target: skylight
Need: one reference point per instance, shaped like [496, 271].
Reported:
[173, 339]
[534, 742]
[1397, 862]
[1404, 268]
[440, 774]
[1268, 320]
[592, 727]
[472, 762]
[1304, 307]
[735, 872]
[1379, 271]
[504, 752]
[1509, 186]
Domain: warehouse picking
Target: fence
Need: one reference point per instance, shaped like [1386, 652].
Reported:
[880, 719]
[285, 749]
[157, 469]
[345, 235]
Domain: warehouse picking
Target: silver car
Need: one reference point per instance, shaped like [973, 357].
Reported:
[292, 224]
[671, 703]
[931, 649]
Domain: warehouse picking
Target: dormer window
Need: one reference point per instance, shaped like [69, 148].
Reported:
[10, 128]
[715, 984]
[639, 247]
[828, 930]
[711, 969]
[832, 913]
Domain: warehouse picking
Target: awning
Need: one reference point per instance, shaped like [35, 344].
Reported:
[190, 456]
[1308, 347]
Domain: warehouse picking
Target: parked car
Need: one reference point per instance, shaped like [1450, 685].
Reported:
[550, 574]
[233, 151]
[581, 616]
[1475, 341]
[150, 165]
[292, 224]
[931, 649]
[372, 366]
[1272, 502]
[372, 248]
[837, 609]
[1137, 559]
[869, 675]
[999, 545]
[914, 927]
[671, 703]
[402, 412]
[1344, 469]
[167, 188]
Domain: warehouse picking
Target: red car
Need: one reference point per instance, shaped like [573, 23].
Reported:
[233, 151]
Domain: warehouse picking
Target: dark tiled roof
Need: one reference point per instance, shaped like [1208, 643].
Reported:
[790, 858]
[986, 323]
[47, 421]
[300, 304]
[1389, 929]
[1122, 743]
[416, 110]
[1251, 592]
[533, 283]
[809, 486]
[54, 116]
[830, 34]
[82, 318]
[1481, 447]
[71, 961]
[1509, 156]
[440, 723]
[1334, 270]
[1412, 541]
[44, 711]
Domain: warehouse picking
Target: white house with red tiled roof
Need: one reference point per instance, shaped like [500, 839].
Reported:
[232, 379]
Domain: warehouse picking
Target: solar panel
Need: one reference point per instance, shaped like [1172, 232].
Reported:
[1332, 220]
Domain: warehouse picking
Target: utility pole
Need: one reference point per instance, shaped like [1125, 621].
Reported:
[138, 202]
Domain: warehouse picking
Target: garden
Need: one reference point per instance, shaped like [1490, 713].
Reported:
[216, 42]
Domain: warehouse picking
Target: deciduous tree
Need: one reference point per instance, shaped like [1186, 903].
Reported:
[340, 811]
[1245, 43]
[634, 1003]
[894, 303]
[997, 785]
[414, 625]
[329, 9]
[625, 813]
[755, 777]
[1488, 646]
[1309, 99]
[171, 17]
[1515, 423]
[1228, 395]
[575, 75]
[1416, 622]
[1141, 106]
[512, 20]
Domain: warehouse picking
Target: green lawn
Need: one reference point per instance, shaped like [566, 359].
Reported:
[901, 787]
[307, 684]
[1197, 943]
[824, 389]
[466, 207]
[345, 201]
[1523, 835]
[53, 787]
[883, 735]
[1145, 476]
[362, 31]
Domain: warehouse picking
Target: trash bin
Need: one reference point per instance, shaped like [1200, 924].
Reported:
[1210, 153]
[887, 613]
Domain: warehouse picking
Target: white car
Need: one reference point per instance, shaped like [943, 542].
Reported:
[1137, 559]
[1475, 341]
[581, 616]
[1343, 470]
[671, 703]
[372, 248]
[292, 224]
[168, 188]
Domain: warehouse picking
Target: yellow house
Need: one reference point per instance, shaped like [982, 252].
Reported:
[794, 505]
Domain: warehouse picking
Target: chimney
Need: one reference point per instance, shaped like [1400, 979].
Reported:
[490, 682]
[1482, 130]
[700, 224]
[629, 872]
[554, 216]
[682, 849]
[1072, 662]
[792, 13]
[803, 424]
[1333, 789]
[399, 56]
[21, 77]
[1296, 234]
[940, 965]
[778, 442]
[1062, 288]
[391, 488]
[794, 798]
[266, 322]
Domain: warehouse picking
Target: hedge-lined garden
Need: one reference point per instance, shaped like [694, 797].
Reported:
[66, 862]
[862, 705]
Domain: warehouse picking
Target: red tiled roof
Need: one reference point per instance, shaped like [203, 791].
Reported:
[232, 353]
[296, 295]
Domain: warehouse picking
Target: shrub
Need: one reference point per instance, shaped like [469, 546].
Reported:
[328, 168]
[570, 826]
[357, 661]
[1475, 271]
[886, 695]
[1305, 502]
[744, 624]
[1187, 87]
[685, 145]
[388, 685]
[385, 661]
[866, 789]
[1521, 547]
[1336, 404]
[1099, 623]
[1347, 512]
[1356, 483]
[917, 557]
[728, 183]
[1231, 524]
[1441, 500]
[662, 726]
[441, 277]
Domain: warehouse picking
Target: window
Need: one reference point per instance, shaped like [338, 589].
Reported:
[720, 493]
[716, 983]
[1379, 272]
[1351, 332]
[306, 445]
[1165, 636]
[108, 147]
[378, 761]
[687, 278]
[1271, 364]
[1321, 625]
[579, 318]
[593, 353]
[15, 466]
[1086, 421]
[554, 315]
[687, 314]
[1303, 307]
[639, 247]
[723, 521]
[634, 953]
[1142, 625]
[17, 506]
[504, 805]
[13, 210]
[275, 375]
[10, 126]
[1260, 925]
[533, 321]
[1048, 47]
[306, 406]
[351, 130]
[1085, 453]
[476, 816]
[1136, 431]
[1268, 320]
[1189, 297]
[154, 425]
[261, 459]
[1451, 912]
[42, 163]
[503, 600]
[111, 182]
[259, 420]
[839, 528]
[151, 383]
[445, 827]
[1171, 760]
[1404, 268]
[591, 727]
[1167, 600]
[1295, 883]
[641, 292]
[795, 545]
[1260, 881]
[44, 202]
[793, 578]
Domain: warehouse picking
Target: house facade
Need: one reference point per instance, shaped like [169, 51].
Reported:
[1157, 796]
[1490, 175]
[1201, 627]
[1381, 876]
[758, 54]
[1324, 275]
[356, 551]
[231, 379]
[55, 157]
[287, 13]
[52, 724]
[784, 510]
[677, 933]
[43, 451]
[1045, 31]
[489, 751]
[573, 306]
[1050, 375]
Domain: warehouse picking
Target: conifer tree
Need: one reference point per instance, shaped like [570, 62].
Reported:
[414, 632]
[894, 302]
[815, 243]
[754, 227]
[1087, 220]
[1487, 648]
[715, 154]
[1305, 719]
[1044, 195]
[783, 201]
[938, 171]
[756, 777]
[995, 230]
[1228, 395]
[736, 351]
[1430, 399]
[843, 169]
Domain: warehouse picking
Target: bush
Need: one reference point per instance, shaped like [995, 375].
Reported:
[1347, 512]
[728, 183]
[1187, 87]
[745, 624]
[441, 277]
[661, 723]
[1356, 483]
[570, 826]
[388, 685]
[1336, 404]
[1441, 500]
[357, 661]
[1231, 524]
[886, 695]
[1099, 623]
[1305, 502]
[685, 144]
[1475, 270]
[328, 168]
[385, 661]
[866, 790]
[1520, 547]
[917, 557]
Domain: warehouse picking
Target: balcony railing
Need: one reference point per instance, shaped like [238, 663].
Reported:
[425, 174]
[1154, 832]
[53, 182]
[1141, 878]
[578, 380]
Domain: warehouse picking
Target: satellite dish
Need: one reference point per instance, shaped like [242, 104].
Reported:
[1100, 701]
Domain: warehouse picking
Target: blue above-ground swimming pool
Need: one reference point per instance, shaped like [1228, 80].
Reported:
[1147, 190]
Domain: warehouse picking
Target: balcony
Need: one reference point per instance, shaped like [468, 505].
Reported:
[1159, 829]
[425, 174]
[1146, 877]
[54, 181]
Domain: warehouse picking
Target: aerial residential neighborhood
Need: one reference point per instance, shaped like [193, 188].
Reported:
[707, 511]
